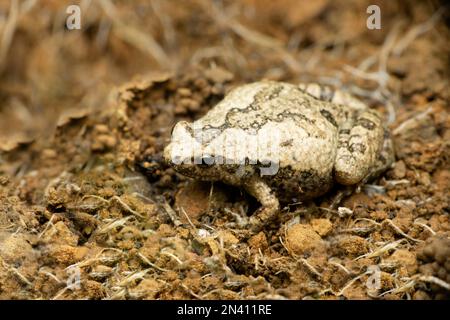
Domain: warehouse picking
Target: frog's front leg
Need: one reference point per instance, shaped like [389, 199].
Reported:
[269, 203]
[359, 145]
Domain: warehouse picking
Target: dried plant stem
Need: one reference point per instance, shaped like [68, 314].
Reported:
[142, 41]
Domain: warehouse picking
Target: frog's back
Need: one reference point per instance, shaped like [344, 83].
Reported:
[288, 127]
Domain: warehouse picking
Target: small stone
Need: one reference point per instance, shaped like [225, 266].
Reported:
[399, 170]
[13, 248]
[322, 226]
[258, 241]
[218, 75]
[49, 154]
[67, 255]
[352, 246]
[103, 142]
[302, 239]
[421, 295]
[184, 92]
[424, 178]
[59, 233]
[404, 258]
[94, 289]
[228, 238]
[101, 128]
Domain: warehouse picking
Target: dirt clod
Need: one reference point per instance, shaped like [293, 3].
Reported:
[302, 240]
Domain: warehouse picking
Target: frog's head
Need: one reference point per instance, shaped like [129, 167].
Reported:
[185, 152]
[214, 154]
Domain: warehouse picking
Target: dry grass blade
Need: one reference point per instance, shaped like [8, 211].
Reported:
[416, 31]
[187, 217]
[138, 275]
[399, 231]
[414, 280]
[145, 260]
[169, 254]
[112, 225]
[412, 122]
[8, 32]
[380, 251]
[142, 41]
[351, 282]
[418, 222]
[127, 207]
[310, 268]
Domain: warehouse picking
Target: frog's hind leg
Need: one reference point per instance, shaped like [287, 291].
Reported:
[269, 203]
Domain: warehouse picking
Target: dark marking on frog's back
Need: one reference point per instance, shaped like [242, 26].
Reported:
[366, 123]
[287, 143]
[357, 147]
[327, 115]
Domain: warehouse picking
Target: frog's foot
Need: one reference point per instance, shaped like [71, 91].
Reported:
[269, 203]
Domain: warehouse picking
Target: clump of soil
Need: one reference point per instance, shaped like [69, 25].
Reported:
[88, 209]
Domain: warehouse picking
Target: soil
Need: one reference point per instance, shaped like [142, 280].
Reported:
[88, 210]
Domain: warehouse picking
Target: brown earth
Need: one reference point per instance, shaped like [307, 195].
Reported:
[85, 115]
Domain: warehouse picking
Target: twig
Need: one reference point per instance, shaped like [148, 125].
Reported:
[164, 252]
[380, 251]
[127, 207]
[409, 123]
[133, 276]
[416, 31]
[8, 32]
[113, 224]
[389, 221]
[310, 268]
[423, 225]
[187, 217]
[172, 214]
[145, 260]
[250, 35]
[143, 41]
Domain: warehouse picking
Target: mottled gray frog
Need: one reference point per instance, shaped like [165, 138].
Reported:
[282, 142]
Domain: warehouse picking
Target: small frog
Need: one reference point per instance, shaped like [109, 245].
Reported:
[283, 143]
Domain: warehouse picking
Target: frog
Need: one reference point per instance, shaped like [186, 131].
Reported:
[283, 143]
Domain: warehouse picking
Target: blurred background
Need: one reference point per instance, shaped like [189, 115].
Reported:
[49, 74]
